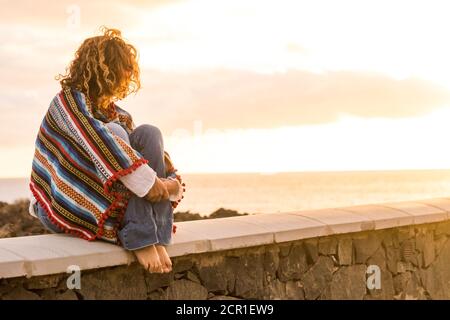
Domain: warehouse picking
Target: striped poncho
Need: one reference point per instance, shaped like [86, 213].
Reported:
[76, 166]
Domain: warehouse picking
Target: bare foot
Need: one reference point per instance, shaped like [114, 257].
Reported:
[148, 257]
[164, 257]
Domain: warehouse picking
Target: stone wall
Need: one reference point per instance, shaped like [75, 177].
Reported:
[414, 263]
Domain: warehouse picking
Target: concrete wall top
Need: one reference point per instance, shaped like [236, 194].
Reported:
[51, 254]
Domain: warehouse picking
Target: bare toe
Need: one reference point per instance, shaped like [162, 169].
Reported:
[149, 258]
[155, 268]
[164, 257]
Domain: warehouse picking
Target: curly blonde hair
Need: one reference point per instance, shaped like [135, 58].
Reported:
[105, 69]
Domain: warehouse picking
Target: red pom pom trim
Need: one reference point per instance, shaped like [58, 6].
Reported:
[119, 201]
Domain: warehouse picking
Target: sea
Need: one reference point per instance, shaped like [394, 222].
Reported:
[287, 192]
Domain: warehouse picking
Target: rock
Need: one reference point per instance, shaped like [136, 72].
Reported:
[15, 221]
[378, 259]
[224, 298]
[294, 291]
[387, 283]
[186, 290]
[408, 252]
[401, 281]
[53, 294]
[405, 233]
[294, 265]
[345, 251]
[436, 278]
[416, 293]
[439, 242]
[285, 249]
[392, 259]
[317, 278]
[291, 290]
[365, 246]
[271, 264]
[50, 281]
[187, 216]
[271, 261]
[275, 290]
[154, 281]
[250, 277]
[20, 293]
[387, 238]
[225, 213]
[159, 294]
[348, 283]
[48, 294]
[192, 276]
[120, 283]
[327, 246]
[386, 292]
[6, 286]
[404, 267]
[218, 272]
[407, 286]
[442, 228]
[312, 252]
[68, 295]
[181, 264]
[425, 244]
[7, 230]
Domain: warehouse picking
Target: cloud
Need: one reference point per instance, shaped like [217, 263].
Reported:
[225, 99]
[35, 46]
[232, 99]
[93, 13]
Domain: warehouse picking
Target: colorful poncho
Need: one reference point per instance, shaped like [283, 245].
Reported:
[76, 165]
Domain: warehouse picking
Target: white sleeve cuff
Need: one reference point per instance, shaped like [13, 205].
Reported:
[140, 181]
[179, 194]
[31, 207]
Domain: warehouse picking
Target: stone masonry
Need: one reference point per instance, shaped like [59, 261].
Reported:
[413, 261]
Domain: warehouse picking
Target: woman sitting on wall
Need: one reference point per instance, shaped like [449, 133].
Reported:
[95, 174]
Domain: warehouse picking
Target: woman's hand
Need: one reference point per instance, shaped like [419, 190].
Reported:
[170, 169]
[158, 192]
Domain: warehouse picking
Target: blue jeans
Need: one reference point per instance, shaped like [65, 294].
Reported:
[43, 217]
[144, 223]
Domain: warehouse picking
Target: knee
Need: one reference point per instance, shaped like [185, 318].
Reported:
[117, 129]
[149, 131]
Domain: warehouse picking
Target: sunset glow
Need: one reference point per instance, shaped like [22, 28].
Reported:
[250, 86]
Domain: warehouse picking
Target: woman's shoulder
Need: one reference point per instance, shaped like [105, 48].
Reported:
[64, 92]
[70, 97]
[125, 118]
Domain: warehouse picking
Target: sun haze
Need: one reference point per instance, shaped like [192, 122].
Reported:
[249, 86]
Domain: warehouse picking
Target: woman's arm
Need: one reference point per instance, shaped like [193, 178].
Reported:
[144, 183]
[174, 183]
[158, 192]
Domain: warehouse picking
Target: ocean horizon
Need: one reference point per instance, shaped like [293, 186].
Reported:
[286, 192]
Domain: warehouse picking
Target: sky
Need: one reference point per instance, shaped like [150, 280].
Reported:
[249, 86]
